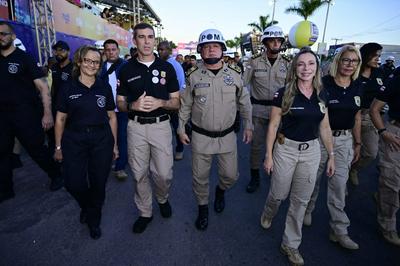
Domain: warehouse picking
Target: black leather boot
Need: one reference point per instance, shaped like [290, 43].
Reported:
[202, 218]
[254, 181]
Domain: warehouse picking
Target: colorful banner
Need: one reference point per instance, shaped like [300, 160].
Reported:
[73, 20]
[4, 14]
[22, 11]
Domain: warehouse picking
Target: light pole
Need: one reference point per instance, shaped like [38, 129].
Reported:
[326, 18]
[273, 9]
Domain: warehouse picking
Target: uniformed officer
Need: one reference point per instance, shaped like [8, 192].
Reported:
[20, 114]
[343, 98]
[109, 74]
[85, 109]
[148, 90]
[214, 92]
[372, 81]
[265, 74]
[60, 73]
[295, 156]
[389, 158]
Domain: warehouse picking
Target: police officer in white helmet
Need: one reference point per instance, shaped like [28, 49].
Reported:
[211, 99]
[265, 74]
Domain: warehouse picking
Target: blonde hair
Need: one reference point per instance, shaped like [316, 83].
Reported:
[291, 89]
[336, 61]
[78, 59]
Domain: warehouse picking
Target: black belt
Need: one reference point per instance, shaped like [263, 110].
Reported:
[261, 102]
[338, 133]
[213, 134]
[148, 120]
[90, 128]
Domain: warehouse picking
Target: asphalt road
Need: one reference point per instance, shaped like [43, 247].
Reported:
[39, 227]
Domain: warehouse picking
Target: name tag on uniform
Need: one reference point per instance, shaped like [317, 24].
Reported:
[201, 85]
[333, 101]
[74, 96]
[260, 70]
[134, 78]
[297, 108]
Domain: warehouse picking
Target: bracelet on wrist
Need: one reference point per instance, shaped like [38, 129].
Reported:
[380, 131]
[58, 148]
[331, 154]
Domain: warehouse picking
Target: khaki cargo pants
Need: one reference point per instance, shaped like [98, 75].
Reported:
[257, 145]
[294, 171]
[389, 183]
[336, 195]
[150, 149]
[227, 171]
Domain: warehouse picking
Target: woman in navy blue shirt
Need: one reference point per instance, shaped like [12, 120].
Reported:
[294, 158]
[85, 133]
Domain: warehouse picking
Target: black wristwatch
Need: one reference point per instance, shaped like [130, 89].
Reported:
[380, 131]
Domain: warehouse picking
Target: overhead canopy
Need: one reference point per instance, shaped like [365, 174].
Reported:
[131, 5]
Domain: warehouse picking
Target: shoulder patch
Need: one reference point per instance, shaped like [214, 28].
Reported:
[235, 68]
[191, 70]
[256, 56]
[286, 57]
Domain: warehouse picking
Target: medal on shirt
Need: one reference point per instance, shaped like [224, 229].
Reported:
[379, 81]
[163, 74]
[155, 72]
[155, 80]
[228, 80]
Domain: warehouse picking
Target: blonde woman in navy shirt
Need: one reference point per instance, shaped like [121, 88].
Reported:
[294, 158]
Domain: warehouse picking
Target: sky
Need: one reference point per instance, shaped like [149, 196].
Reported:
[350, 20]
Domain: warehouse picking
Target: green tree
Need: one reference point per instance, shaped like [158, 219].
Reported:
[306, 8]
[263, 22]
[235, 43]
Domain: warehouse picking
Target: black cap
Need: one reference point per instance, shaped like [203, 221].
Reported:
[62, 45]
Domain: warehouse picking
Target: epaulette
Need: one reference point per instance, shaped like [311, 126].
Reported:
[235, 68]
[191, 70]
[286, 57]
[256, 56]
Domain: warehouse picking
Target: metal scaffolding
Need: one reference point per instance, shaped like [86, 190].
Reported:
[44, 27]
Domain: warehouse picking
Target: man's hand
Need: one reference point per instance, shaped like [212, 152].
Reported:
[391, 140]
[247, 136]
[47, 121]
[184, 138]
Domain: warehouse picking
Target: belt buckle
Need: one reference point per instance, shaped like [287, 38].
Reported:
[337, 133]
[158, 119]
[303, 146]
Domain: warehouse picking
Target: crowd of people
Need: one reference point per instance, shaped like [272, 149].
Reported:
[302, 126]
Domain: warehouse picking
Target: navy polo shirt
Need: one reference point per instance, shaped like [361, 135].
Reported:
[305, 115]
[60, 76]
[85, 106]
[343, 103]
[18, 71]
[391, 96]
[370, 87]
[158, 80]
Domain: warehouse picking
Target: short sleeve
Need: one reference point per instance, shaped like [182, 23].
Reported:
[122, 88]
[386, 93]
[62, 98]
[33, 70]
[172, 82]
[110, 104]
[277, 100]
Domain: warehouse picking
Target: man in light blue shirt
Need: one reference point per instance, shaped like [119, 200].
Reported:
[164, 52]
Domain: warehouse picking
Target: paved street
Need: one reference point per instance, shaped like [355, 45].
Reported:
[39, 227]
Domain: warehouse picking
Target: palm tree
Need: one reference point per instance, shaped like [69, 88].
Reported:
[262, 23]
[235, 43]
[305, 8]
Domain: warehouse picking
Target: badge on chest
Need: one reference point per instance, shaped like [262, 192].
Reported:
[228, 80]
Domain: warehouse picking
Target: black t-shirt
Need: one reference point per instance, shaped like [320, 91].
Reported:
[305, 115]
[343, 103]
[158, 80]
[85, 106]
[60, 76]
[391, 96]
[18, 71]
[370, 87]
